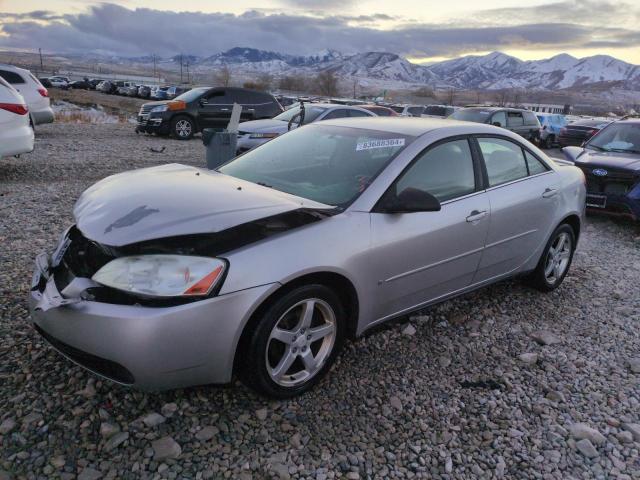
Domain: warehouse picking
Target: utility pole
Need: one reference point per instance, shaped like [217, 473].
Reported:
[180, 68]
[41, 64]
[187, 65]
[153, 56]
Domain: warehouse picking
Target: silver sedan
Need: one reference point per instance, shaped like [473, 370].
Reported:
[174, 276]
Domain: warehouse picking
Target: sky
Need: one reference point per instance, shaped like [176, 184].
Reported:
[422, 30]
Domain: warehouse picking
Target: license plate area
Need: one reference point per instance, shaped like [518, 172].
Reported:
[596, 201]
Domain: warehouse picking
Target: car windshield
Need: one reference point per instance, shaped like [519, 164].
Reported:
[311, 112]
[191, 95]
[618, 137]
[327, 164]
[471, 115]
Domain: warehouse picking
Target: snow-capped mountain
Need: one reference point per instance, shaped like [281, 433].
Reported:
[497, 71]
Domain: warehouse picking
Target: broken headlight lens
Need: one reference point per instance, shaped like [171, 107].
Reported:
[162, 275]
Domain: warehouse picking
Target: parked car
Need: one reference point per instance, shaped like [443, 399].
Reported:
[59, 82]
[132, 90]
[110, 86]
[93, 83]
[576, 133]
[144, 91]
[16, 134]
[204, 107]
[159, 93]
[380, 110]
[523, 122]
[81, 84]
[36, 96]
[408, 110]
[264, 267]
[610, 161]
[551, 125]
[254, 133]
[173, 92]
[438, 111]
[45, 82]
[125, 87]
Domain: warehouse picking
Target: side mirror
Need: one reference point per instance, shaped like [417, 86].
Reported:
[411, 200]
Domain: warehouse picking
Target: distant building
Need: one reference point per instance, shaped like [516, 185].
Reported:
[548, 108]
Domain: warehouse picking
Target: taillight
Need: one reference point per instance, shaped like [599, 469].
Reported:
[592, 133]
[14, 108]
[43, 92]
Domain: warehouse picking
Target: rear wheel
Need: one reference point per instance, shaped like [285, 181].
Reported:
[294, 343]
[555, 261]
[182, 127]
[548, 142]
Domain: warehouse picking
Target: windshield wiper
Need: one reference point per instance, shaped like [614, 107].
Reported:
[624, 150]
[597, 148]
[262, 184]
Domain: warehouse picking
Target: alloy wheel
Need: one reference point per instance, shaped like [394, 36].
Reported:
[183, 128]
[301, 342]
[558, 258]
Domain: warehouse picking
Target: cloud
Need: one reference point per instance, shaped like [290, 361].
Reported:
[115, 29]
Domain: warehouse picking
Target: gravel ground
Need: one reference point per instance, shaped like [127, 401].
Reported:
[501, 383]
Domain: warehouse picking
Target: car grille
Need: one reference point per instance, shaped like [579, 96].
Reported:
[146, 109]
[616, 182]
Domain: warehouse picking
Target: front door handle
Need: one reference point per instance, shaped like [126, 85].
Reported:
[549, 192]
[476, 215]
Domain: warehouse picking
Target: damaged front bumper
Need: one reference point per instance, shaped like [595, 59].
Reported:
[151, 348]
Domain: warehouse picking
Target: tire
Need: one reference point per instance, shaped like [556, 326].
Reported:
[547, 143]
[287, 361]
[182, 127]
[545, 277]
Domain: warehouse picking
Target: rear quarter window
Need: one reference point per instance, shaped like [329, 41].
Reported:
[12, 77]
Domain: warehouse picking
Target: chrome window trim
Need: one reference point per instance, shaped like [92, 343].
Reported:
[518, 180]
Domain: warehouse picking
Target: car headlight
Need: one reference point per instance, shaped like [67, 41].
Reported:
[263, 135]
[162, 275]
[159, 108]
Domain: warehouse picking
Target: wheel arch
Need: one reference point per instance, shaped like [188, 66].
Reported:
[190, 116]
[573, 221]
[341, 285]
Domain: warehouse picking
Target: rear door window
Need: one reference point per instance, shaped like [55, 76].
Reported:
[416, 111]
[503, 159]
[358, 113]
[499, 117]
[337, 113]
[514, 119]
[12, 77]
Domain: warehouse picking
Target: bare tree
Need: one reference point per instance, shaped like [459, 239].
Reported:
[292, 83]
[501, 97]
[263, 83]
[450, 95]
[327, 83]
[223, 76]
[425, 92]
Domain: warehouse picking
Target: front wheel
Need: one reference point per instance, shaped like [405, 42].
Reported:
[555, 261]
[182, 127]
[294, 343]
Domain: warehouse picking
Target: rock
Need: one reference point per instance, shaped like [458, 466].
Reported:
[153, 419]
[581, 431]
[555, 396]
[165, 447]
[89, 390]
[586, 448]
[281, 470]
[7, 425]
[634, 365]
[33, 417]
[396, 403]
[545, 337]
[107, 430]
[168, 409]
[115, 441]
[625, 437]
[409, 330]
[262, 414]
[634, 429]
[89, 474]
[207, 433]
[448, 465]
[58, 461]
[444, 361]
[528, 358]
[296, 440]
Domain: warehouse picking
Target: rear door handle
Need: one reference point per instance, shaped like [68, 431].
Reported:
[549, 192]
[476, 215]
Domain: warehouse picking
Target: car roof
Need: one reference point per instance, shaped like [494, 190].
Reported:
[13, 67]
[412, 126]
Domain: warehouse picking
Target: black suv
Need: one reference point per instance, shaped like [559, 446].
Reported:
[204, 107]
[522, 122]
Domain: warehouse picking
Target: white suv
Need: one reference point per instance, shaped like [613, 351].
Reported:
[36, 96]
[16, 135]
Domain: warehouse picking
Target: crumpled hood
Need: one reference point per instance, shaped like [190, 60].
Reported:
[267, 125]
[173, 200]
[592, 158]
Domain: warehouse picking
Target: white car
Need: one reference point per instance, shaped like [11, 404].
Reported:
[408, 110]
[256, 132]
[16, 135]
[59, 82]
[36, 96]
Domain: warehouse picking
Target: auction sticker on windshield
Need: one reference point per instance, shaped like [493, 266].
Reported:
[383, 143]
